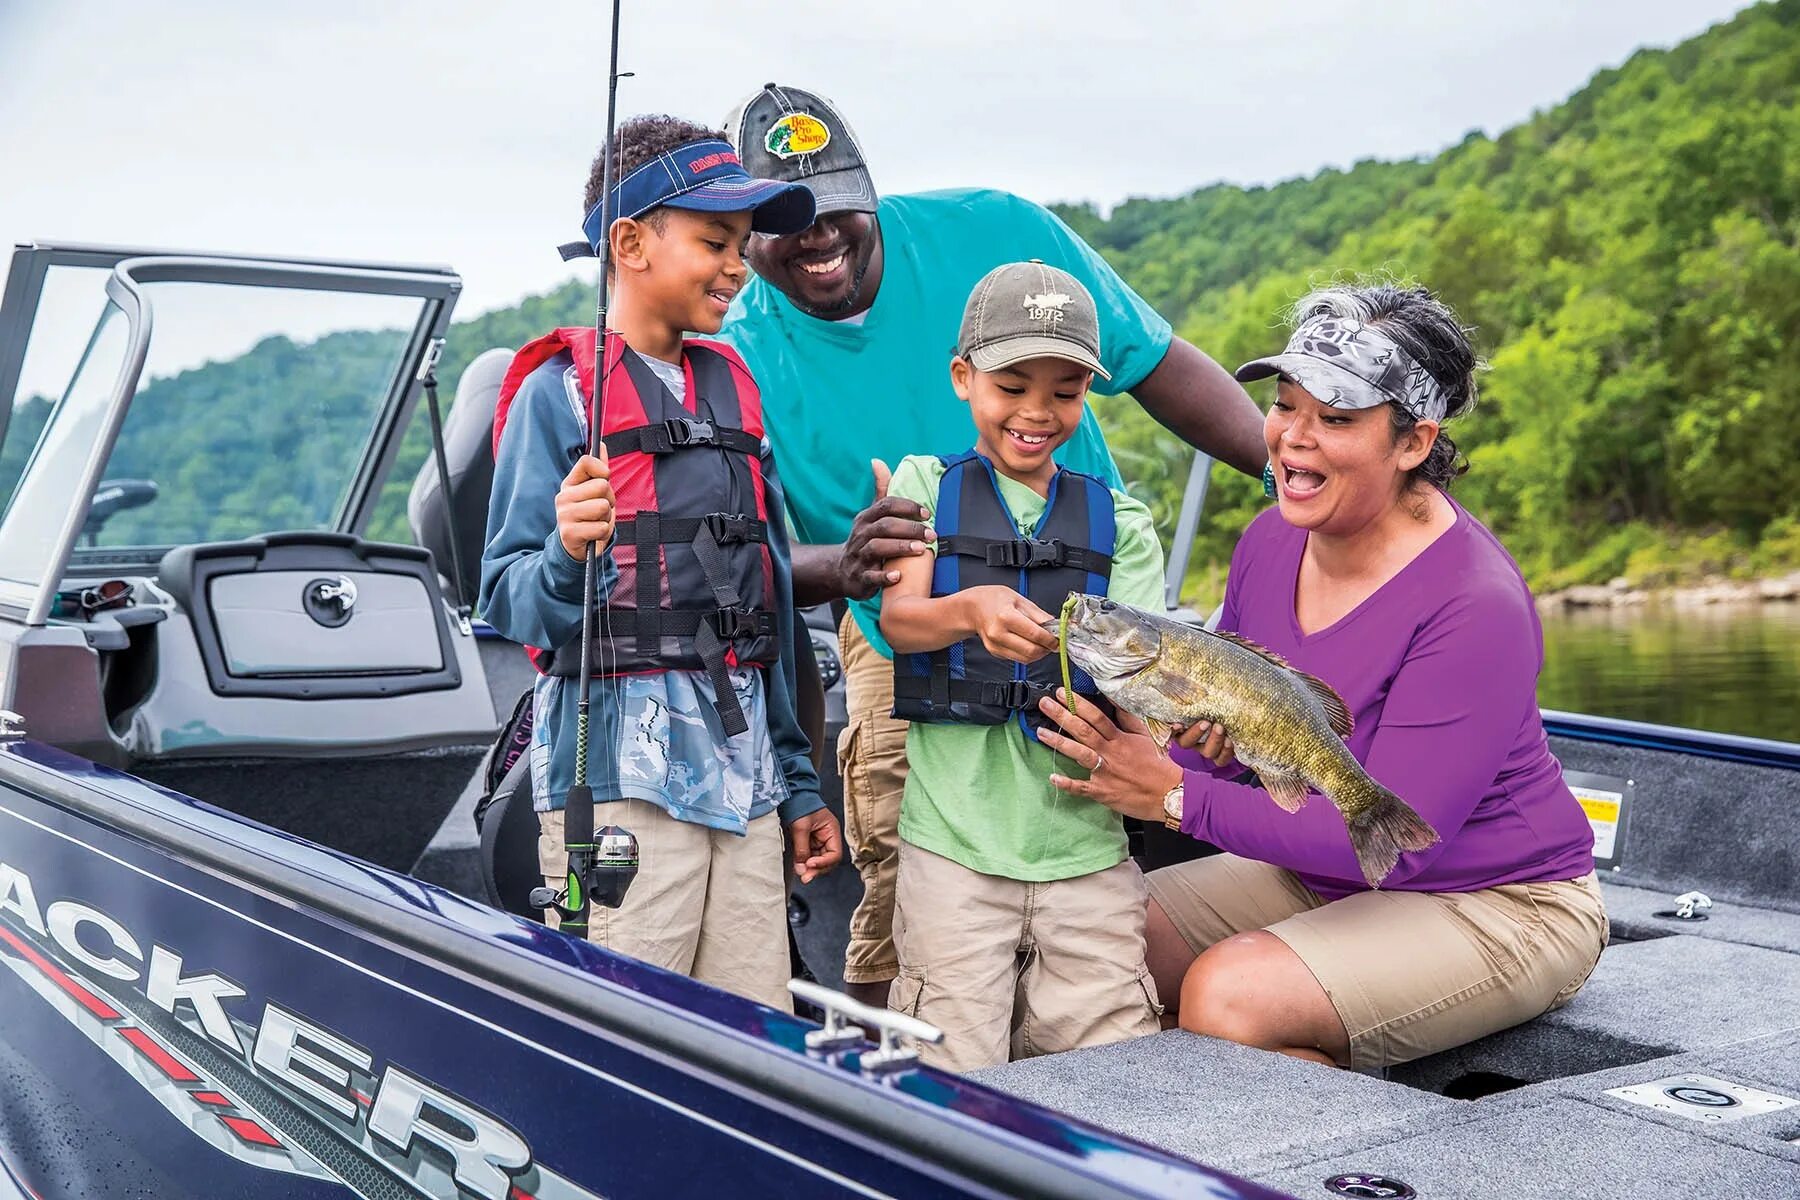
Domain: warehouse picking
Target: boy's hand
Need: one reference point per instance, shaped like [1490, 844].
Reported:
[818, 844]
[1211, 742]
[584, 505]
[1008, 624]
[888, 528]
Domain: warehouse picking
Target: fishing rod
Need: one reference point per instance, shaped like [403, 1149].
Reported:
[601, 863]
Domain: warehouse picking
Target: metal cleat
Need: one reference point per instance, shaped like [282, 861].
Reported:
[836, 1033]
[1689, 906]
[12, 725]
[897, 1030]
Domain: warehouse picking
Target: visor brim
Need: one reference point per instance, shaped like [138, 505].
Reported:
[1323, 380]
[776, 207]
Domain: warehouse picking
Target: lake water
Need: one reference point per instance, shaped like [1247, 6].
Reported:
[1727, 668]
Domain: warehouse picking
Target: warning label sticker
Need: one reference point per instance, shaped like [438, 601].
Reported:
[1602, 808]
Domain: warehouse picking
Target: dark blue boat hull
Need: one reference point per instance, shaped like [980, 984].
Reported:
[198, 1006]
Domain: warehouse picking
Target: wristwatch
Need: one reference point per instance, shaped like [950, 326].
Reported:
[1172, 807]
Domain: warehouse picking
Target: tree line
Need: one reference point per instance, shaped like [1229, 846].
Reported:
[1628, 261]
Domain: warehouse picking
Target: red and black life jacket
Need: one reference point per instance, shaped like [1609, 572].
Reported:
[1070, 550]
[696, 587]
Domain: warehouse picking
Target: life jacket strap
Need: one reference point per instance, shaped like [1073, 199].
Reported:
[714, 632]
[1026, 553]
[681, 433]
[1015, 694]
[726, 528]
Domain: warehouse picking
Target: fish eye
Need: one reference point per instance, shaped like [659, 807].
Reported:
[1108, 605]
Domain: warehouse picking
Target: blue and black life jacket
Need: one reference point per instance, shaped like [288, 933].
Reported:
[1071, 550]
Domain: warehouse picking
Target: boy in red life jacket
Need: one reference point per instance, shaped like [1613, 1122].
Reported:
[1019, 918]
[694, 742]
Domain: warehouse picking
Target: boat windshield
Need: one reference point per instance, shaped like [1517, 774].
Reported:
[253, 413]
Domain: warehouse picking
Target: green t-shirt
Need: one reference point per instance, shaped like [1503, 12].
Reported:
[836, 394]
[981, 795]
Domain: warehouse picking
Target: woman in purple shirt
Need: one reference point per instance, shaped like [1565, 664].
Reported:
[1370, 577]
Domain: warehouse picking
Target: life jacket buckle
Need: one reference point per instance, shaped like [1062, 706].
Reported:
[1017, 694]
[734, 624]
[686, 431]
[729, 528]
[1028, 553]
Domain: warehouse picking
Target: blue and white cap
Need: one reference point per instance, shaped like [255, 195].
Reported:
[1344, 363]
[704, 176]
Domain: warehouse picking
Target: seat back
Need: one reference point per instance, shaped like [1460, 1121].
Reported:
[468, 453]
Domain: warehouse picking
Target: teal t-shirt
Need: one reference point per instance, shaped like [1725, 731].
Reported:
[981, 795]
[836, 394]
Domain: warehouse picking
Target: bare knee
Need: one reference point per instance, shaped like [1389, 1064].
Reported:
[1219, 996]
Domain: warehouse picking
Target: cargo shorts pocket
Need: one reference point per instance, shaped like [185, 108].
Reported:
[908, 991]
[853, 774]
[1492, 922]
[1147, 985]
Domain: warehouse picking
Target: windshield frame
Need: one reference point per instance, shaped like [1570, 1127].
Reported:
[436, 288]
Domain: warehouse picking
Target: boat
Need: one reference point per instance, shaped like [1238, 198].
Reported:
[254, 944]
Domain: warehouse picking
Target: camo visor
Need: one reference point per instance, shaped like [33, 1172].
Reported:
[1344, 363]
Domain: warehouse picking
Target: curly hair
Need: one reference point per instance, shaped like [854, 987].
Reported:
[1426, 328]
[635, 142]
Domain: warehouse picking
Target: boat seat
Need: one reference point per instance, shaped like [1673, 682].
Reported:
[468, 452]
[1645, 1000]
[1232, 1106]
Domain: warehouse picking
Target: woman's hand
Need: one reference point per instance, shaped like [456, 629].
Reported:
[1126, 772]
[1209, 741]
[1009, 625]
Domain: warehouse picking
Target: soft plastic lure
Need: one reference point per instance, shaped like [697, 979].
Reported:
[1062, 648]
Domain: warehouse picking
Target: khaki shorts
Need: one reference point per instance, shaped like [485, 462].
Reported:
[1012, 969]
[705, 903]
[1410, 973]
[872, 765]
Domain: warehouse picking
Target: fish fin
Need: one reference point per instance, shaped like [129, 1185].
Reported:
[1289, 791]
[1336, 711]
[1160, 732]
[1257, 648]
[1384, 831]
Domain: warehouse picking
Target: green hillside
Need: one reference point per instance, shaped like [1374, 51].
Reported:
[1630, 260]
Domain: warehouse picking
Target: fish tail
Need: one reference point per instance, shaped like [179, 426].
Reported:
[1383, 830]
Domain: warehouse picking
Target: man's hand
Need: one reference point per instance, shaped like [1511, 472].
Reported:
[889, 528]
[584, 505]
[1009, 625]
[818, 844]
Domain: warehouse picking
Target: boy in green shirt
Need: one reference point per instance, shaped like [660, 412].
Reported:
[1019, 916]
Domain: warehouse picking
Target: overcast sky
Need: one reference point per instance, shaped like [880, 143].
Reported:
[460, 133]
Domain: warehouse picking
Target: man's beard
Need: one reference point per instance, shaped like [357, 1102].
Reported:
[837, 309]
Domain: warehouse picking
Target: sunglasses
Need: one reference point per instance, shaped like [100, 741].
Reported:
[101, 597]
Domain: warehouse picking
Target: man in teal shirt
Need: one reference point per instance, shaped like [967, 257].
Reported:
[848, 327]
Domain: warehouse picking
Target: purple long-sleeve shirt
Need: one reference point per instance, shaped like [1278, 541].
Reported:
[1439, 668]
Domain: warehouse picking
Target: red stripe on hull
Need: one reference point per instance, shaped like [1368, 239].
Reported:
[87, 999]
[167, 1063]
[250, 1131]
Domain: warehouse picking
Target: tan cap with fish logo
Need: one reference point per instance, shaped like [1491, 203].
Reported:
[1030, 310]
